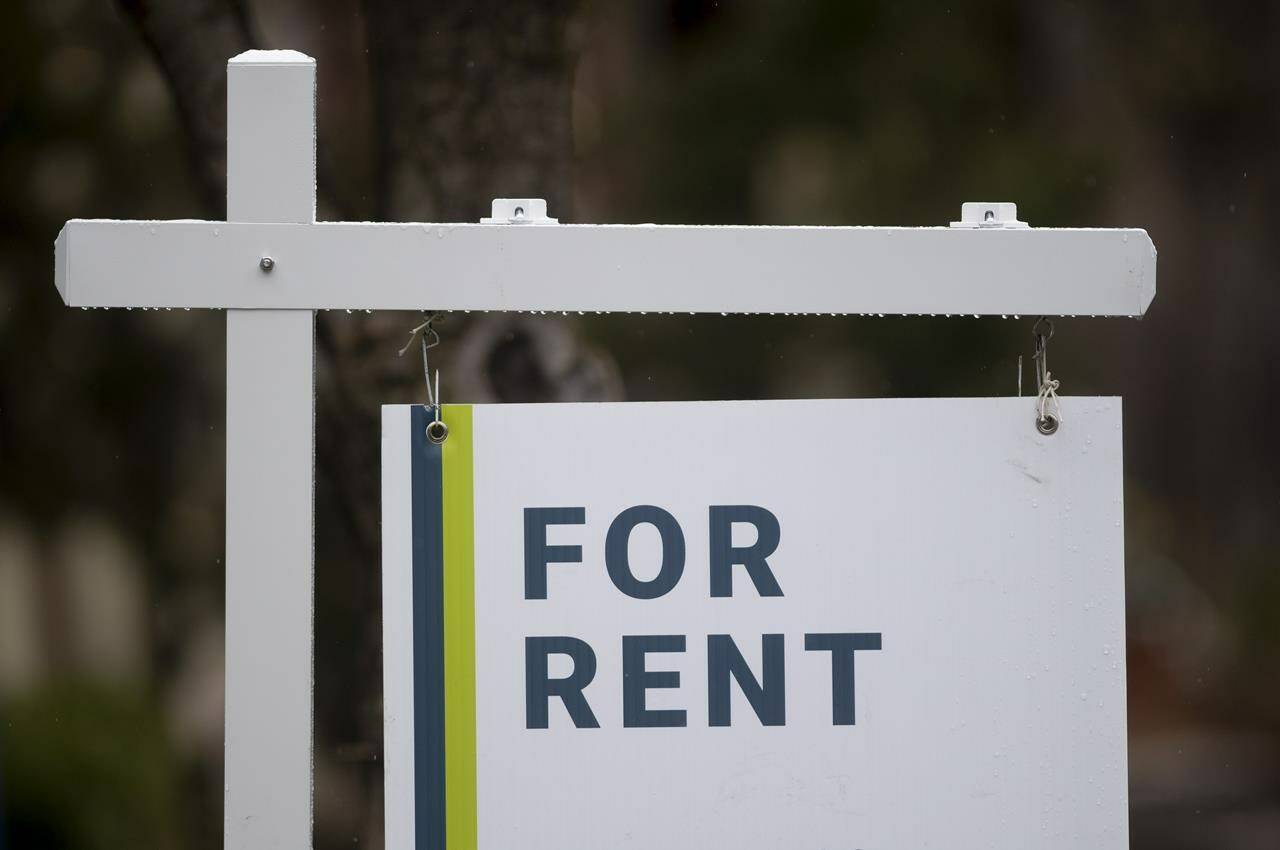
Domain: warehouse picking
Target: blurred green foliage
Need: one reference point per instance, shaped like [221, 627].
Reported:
[87, 767]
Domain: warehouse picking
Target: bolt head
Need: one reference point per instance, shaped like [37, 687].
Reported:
[266, 264]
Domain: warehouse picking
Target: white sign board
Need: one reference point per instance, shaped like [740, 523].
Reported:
[864, 624]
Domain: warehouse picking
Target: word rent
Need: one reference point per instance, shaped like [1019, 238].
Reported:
[765, 689]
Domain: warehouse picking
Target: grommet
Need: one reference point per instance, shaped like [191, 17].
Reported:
[1047, 424]
[438, 432]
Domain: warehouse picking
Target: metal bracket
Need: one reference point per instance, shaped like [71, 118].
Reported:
[519, 211]
[985, 215]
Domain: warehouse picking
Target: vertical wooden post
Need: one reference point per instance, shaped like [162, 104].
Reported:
[270, 475]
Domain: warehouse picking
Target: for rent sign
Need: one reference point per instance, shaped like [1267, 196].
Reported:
[801, 624]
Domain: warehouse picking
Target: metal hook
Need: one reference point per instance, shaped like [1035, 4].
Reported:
[1048, 410]
[430, 339]
[1042, 332]
[437, 430]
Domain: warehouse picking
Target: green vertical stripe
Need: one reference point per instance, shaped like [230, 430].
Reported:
[459, 632]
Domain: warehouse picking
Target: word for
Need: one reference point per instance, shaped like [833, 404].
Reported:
[724, 556]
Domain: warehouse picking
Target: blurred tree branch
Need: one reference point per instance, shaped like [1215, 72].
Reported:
[191, 41]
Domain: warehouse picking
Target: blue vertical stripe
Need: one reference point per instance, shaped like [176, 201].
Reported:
[428, 633]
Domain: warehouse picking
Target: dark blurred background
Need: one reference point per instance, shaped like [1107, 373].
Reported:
[1150, 114]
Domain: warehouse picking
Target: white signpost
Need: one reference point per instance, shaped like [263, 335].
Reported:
[271, 265]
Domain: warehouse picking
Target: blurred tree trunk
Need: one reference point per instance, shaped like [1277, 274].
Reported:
[472, 101]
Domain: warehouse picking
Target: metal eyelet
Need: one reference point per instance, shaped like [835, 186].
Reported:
[1047, 424]
[437, 431]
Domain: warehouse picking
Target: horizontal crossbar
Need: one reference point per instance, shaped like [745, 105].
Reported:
[606, 268]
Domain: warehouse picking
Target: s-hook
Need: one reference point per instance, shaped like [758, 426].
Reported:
[437, 430]
[1048, 410]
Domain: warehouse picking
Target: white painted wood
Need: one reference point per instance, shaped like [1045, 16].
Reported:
[613, 268]
[270, 478]
[397, 630]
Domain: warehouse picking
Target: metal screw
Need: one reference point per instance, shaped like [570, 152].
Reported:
[266, 264]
